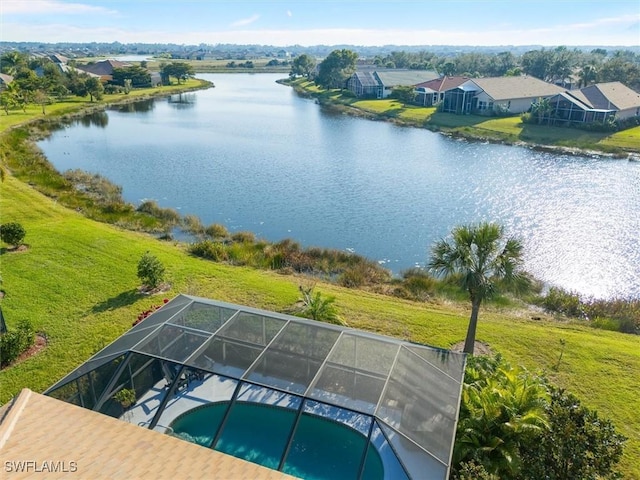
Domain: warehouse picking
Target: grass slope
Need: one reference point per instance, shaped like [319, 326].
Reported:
[77, 283]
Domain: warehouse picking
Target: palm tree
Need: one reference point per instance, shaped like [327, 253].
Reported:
[478, 256]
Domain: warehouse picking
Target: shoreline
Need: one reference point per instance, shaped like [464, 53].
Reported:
[355, 111]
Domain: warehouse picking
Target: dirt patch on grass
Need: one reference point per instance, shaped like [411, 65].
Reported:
[479, 348]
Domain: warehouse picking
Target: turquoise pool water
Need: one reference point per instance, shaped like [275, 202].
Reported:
[321, 449]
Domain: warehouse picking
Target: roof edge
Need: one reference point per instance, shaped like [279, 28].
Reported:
[12, 415]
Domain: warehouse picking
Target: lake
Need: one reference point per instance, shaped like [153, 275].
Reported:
[252, 155]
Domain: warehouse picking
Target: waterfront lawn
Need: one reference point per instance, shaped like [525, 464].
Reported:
[77, 283]
[73, 104]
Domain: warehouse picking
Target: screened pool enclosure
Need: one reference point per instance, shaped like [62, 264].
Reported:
[310, 399]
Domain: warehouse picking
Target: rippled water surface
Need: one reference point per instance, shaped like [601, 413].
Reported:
[253, 155]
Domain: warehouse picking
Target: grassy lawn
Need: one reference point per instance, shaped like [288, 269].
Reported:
[77, 283]
[509, 129]
[73, 104]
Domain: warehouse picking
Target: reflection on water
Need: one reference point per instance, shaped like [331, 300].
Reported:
[95, 119]
[142, 106]
[182, 100]
[254, 156]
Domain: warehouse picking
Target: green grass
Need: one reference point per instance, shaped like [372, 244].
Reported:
[507, 129]
[77, 283]
[74, 104]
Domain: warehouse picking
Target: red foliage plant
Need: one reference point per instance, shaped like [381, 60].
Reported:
[146, 313]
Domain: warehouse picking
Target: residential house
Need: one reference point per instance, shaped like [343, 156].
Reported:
[595, 103]
[5, 80]
[432, 92]
[380, 83]
[104, 68]
[506, 95]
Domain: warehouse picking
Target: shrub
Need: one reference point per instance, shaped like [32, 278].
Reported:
[216, 230]
[12, 233]
[193, 225]
[13, 343]
[561, 301]
[243, 237]
[215, 251]
[150, 270]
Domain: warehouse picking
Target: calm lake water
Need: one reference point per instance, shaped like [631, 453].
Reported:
[254, 156]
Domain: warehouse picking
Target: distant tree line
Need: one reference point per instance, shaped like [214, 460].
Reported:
[554, 65]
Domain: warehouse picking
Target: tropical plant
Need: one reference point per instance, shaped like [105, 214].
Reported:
[125, 397]
[150, 270]
[478, 257]
[502, 413]
[318, 307]
[12, 233]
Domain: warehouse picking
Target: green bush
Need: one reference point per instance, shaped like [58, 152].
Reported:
[150, 270]
[13, 343]
[216, 230]
[243, 237]
[560, 301]
[12, 233]
[215, 251]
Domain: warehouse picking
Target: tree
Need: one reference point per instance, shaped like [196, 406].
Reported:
[95, 89]
[578, 443]
[150, 270]
[542, 109]
[303, 65]
[138, 76]
[41, 98]
[12, 233]
[178, 70]
[478, 257]
[334, 70]
[405, 94]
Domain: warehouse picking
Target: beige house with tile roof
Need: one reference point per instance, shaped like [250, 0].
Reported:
[45, 438]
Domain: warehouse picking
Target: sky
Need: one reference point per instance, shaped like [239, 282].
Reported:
[328, 22]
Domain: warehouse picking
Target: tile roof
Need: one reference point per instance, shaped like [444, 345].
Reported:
[84, 444]
[506, 88]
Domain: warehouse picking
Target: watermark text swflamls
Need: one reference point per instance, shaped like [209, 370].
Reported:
[35, 466]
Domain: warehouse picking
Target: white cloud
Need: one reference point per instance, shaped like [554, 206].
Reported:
[245, 21]
[289, 14]
[38, 7]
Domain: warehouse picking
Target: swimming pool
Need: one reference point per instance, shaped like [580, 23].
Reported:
[320, 448]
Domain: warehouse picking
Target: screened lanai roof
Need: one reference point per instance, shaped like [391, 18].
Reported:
[404, 397]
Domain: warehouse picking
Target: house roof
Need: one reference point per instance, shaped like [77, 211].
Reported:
[75, 441]
[442, 84]
[506, 88]
[4, 78]
[105, 67]
[394, 77]
[607, 96]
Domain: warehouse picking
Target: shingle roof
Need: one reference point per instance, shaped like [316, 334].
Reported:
[443, 84]
[85, 444]
[105, 67]
[506, 88]
[607, 96]
[393, 78]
